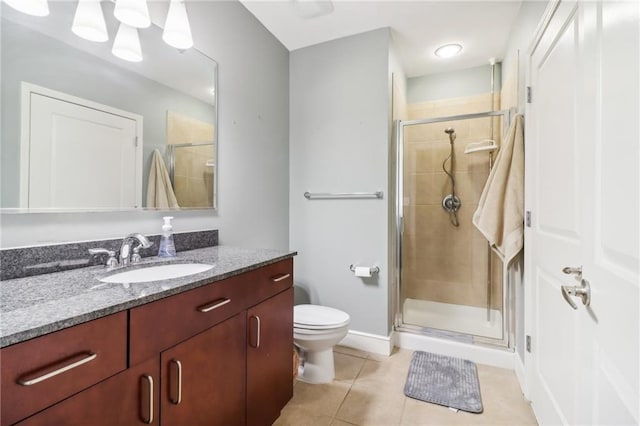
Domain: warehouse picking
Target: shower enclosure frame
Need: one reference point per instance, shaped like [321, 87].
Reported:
[508, 317]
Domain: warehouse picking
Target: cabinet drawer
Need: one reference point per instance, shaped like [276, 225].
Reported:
[40, 372]
[130, 398]
[268, 281]
[162, 324]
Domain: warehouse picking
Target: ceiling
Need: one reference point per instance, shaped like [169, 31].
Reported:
[418, 27]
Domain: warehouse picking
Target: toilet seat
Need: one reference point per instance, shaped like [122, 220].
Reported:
[314, 317]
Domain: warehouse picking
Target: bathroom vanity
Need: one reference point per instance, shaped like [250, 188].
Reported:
[211, 348]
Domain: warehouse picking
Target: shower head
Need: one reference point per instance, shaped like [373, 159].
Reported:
[451, 133]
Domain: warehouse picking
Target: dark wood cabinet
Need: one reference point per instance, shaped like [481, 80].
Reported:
[269, 358]
[40, 372]
[203, 378]
[219, 354]
[128, 398]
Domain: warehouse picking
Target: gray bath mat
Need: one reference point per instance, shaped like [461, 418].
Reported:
[444, 380]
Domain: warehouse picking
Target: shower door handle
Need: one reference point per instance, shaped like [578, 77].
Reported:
[583, 291]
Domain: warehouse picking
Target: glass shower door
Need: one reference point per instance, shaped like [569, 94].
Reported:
[450, 279]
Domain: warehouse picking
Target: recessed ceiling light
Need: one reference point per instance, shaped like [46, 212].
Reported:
[308, 9]
[448, 50]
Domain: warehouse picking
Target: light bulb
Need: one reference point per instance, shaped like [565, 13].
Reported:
[30, 7]
[134, 13]
[126, 45]
[448, 50]
[177, 32]
[88, 21]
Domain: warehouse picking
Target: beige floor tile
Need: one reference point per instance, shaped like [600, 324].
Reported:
[398, 356]
[299, 416]
[350, 351]
[388, 375]
[502, 398]
[371, 406]
[337, 422]
[347, 367]
[376, 396]
[319, 400]
[419, 413]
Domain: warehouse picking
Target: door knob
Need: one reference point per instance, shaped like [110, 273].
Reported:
[583, 291]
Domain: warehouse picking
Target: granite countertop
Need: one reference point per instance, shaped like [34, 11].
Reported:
[37, 305]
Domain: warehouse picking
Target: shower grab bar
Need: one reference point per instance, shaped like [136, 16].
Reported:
[341, 195]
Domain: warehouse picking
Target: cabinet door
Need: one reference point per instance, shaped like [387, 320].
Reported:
[128, 398]
[269, 358]
[203, 378]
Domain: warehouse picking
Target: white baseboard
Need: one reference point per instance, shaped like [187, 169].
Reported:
[372, 343]
[478, 354]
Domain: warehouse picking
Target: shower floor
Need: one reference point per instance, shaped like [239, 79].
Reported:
[450, 317]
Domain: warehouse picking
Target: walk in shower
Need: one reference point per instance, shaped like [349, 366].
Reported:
[449, 282]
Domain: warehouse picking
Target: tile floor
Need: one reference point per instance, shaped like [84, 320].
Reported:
[368, 390]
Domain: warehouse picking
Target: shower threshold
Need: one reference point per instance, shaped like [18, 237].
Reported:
[457, 318]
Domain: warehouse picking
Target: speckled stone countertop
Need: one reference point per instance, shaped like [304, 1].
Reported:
[37, 305]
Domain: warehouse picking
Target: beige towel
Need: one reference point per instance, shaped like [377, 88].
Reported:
[160, 193]
[500, 213]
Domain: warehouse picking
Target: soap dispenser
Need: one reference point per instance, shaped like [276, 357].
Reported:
[167, 246]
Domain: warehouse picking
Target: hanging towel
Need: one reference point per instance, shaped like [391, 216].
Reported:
[160, 193]
[500, 213]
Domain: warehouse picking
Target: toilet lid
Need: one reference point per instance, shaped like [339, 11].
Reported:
[314, 316]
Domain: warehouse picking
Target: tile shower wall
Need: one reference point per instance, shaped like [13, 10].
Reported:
[441, 262]
[193, 176]
[194, 165]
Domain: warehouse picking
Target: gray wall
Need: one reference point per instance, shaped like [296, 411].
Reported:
[253, 147]
[339, 132]
[453, 84]
[57, 66]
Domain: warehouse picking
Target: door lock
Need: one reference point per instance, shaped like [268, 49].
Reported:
[575, 271]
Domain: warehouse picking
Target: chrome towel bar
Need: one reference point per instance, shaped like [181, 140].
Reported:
[341, 195]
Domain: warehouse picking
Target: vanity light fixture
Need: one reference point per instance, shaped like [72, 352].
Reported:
[88, 22]
[134, 13]
[177, 32]
[448, 50]
[30, 7]
[127, 44]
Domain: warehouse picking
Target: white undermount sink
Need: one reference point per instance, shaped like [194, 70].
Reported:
[157, 273]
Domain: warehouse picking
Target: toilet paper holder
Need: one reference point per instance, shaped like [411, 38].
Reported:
[372, 269]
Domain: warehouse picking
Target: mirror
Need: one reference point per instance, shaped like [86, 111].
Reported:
[83, 130]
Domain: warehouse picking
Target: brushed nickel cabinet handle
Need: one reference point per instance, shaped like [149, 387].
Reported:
[213, 305]
[67, 364]
[257, 341]
[178, 399]
[149, 418]
[280, 277]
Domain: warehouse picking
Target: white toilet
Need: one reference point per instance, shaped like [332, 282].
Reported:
[316, 330]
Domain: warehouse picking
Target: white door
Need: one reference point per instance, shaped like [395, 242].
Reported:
[583, 191]
[80, 156]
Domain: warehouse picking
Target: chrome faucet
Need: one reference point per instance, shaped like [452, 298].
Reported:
[126, 248]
